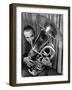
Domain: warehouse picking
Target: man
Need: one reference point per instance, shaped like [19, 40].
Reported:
[29, 35]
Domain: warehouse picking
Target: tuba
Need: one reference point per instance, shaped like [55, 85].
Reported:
[41, 50]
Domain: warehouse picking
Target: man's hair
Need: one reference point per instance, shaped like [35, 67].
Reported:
[29, 28]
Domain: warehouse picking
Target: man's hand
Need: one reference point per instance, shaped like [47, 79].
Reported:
[46, 61]
[28, 61]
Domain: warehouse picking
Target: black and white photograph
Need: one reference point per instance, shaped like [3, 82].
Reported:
[42, 44]
[39, 44]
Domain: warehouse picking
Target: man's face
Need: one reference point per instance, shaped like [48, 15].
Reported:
[29, 36]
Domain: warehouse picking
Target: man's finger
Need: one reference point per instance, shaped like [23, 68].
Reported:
[31, 61]
[30, 64]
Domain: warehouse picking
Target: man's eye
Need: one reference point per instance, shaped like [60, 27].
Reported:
[27, 37]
